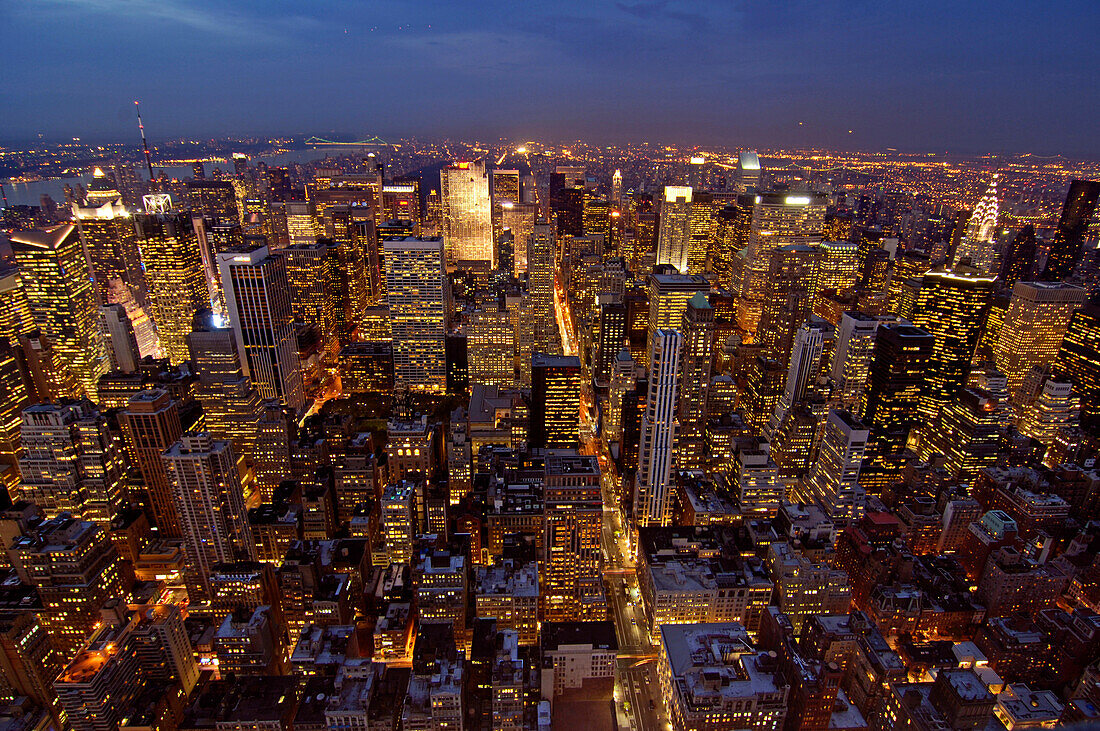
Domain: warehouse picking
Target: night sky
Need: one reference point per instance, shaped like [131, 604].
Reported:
[962, 76]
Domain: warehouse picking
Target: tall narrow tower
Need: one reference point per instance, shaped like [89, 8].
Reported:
[653, 484]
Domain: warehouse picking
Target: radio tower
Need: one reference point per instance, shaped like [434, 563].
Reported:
[144, 144]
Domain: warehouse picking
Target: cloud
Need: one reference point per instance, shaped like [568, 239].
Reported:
[215, 20]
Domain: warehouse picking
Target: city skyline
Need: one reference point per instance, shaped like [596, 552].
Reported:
[827, 75]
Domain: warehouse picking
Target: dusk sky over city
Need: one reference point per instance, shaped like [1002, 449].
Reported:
[961, 77]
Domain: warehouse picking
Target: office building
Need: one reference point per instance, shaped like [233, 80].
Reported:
[75, 568]
[572, 568]
[1035, 324]
[151, 424]
[174, 272]
[467, 215]
[106, 227]
[951, 305]
[712, 677]
[777, 219]
[231, 405]
[834, 478]
[118, 334]
[416, 295]
[668, 298]
[206, 486]
[851, 365]
[72, 462]
[696, 359]
[653, 488]
[1078, 360]
[58, 284]
[674, 229]
[257, 298]
[555, 401]
[1077, 212]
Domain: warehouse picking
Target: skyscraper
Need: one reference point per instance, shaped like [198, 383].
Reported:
[834, 478]
[75, 568]
[151, 423]
[571, 577]
[122, 344]
[976, 246]
[855, 346]
[1077, 212]
[107, 230]
[668, 298]
[1078, 361]
[491, 346]
[230, 403]
[467, 214]
[695, 367]
[674, 229]
[951, 305]
[1019, 259]
[967, 434]
[72, 462]
[787, 303]
[209, 499]
[257, 298]
[653, 488]
[555, 401]
[1036, 321]
[777, 219]
[541, 266]
[897, 379]
[173, 269]
[58, 285]
[416, 292]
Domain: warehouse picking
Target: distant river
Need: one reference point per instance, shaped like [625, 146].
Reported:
[29, 194]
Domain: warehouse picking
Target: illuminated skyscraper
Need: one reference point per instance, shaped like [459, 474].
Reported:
[1037, 319]
[230, 402]
[58, 285]
[777, 219]
[15, 311]
[907, 266]
[787, 303]
[416, 294]
[401, 202]
[668, 298]
[902, 355]
[834, 479]
[803, 370]
[976, 245]
[173, 269]
[1019, 259]
[1065, 251]
[951, 305]
[967, 434]
[151, 423]
[210, 502]
[851, 366]
[571, 577]
[653, 487]
[555, 401]
[617, 187]
[748, 171]
[300, 223]
[107, 230]
[319, 291]
[467, 214]
[1078, 360]
[674, 231]
[491, 346]
[257, 298]
[213, 198]
[838, 266]
[541, 268]
[1056, 407]
[72, 462]
[75, 568]
[398, 520]
[118, 332]
[695, 367]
